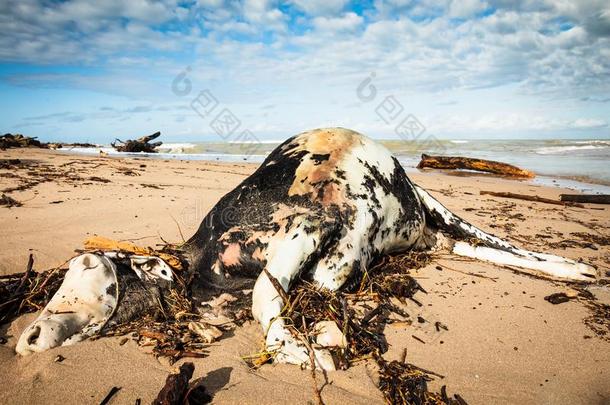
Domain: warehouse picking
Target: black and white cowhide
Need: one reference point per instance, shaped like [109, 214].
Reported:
[323, 206]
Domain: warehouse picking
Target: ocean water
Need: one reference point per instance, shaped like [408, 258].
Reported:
[578, 164]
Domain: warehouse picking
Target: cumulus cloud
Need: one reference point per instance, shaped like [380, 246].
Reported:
[253, 49]
[320, 7]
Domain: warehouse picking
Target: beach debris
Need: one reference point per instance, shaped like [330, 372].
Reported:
[26, 174]
[557, 298]
[586, 198]
[586, 241]
[61, 145]
[59, 358]
[209, 333]
[27, 292]
[438, 325]
[598, 320]
[176, 389]
[99, 179]
[418, 339]
[100, 243]
[20, 141]
[526, 197]
[404, 383]
[110, 394]
[221, 301]
[8, 201]
[138, 145]
[358, 316]
[9, 163]
[481, 165]
[601, 240]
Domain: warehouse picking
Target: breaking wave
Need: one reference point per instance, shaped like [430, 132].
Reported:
[583, 146]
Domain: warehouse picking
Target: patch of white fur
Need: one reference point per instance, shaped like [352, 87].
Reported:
[145, 267]
[80, 308]
[151, 267]
[565, 268]
[287, 256]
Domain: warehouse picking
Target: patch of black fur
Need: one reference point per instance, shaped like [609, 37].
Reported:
[319, 158]
[401, 187]
[136, 297]
[452, 227]
[111, 290]
[249, 208]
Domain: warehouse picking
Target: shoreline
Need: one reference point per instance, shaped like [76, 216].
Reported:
[580, 183]
[504, 343]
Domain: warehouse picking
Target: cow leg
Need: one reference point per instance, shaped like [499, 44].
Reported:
[497, 250]
[286, 260]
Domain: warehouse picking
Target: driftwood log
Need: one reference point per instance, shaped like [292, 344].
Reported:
[526, 197]
[586, 198]
[20, 141]
[481, 165]
[142, 144]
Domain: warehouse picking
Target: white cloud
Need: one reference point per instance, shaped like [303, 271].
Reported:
[264, 13]
[547, 51]
[348, 22]
[466, 8]
[588, 123]
[320, 7]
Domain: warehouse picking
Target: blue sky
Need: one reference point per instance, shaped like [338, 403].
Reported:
[79, 70]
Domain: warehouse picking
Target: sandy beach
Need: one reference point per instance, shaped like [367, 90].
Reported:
[504, 344]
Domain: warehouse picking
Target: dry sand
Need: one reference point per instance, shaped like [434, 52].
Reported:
[505, 344]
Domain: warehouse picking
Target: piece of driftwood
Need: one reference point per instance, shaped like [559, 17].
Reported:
[175, 386]
[142, 144]
[586, 198]
[176, 389]
[20, 141]
[481, 165]
[526, 197]
[110, 394]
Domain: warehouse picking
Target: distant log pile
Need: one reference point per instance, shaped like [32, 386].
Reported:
[139, 145]
[20, 141]
[481, 165]
[72, 145]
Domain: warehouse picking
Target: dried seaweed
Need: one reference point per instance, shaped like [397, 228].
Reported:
[598, 320]
[404, 383]
[27, 292]
[8, 201]
[557, 298]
